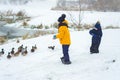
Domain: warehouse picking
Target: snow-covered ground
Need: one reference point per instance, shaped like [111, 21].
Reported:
[45, 64]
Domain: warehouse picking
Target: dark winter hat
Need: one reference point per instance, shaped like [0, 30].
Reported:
[63, 16]
[97, 25]
[61, 19]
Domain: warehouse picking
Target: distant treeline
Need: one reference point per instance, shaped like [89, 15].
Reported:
[98, 5]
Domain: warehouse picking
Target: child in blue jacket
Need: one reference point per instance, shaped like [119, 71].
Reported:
[96, 33]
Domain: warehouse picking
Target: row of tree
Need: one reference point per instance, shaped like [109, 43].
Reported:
[99, 5]
[14, 1]
[107, 5]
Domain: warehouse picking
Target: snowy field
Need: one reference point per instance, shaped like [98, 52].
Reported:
[45, 64]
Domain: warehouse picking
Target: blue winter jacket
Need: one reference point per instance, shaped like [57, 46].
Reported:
[96, 33]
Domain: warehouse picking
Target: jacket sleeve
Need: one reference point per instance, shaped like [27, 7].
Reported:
[91, 32]
[61, 33]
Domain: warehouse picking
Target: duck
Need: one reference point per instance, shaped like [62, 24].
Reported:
[18, 41]
[24, 52]
[33, 49]
[12, 51]
[16, 53]
[2, 52]
[51, 47]
[9, 56]
[20, 48]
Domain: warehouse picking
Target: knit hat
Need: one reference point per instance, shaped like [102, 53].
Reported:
[60, 19]
[63, 16]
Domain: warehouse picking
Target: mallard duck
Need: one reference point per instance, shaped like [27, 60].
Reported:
[24, 52]
[20, 48]
[33, 49]
[2, 52]
[51, 47]
[18, 41]
[12, 51]
[9, 56]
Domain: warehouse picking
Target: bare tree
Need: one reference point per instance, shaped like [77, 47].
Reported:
[77, 24]
[61, 3]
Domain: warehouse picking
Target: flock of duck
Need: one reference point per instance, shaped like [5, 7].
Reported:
[21, 50]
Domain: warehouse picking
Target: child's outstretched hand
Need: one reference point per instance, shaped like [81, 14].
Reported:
[54, 36]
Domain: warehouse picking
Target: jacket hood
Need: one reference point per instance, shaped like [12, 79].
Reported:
[97, 25]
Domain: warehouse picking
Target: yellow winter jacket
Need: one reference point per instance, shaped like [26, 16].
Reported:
[64, 34]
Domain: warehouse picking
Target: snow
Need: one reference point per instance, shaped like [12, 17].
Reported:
[45, 64]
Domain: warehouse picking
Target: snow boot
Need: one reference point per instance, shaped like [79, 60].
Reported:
[65, 62]
[94, 52]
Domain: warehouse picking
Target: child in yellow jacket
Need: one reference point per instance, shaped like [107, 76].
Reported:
[64, 38]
